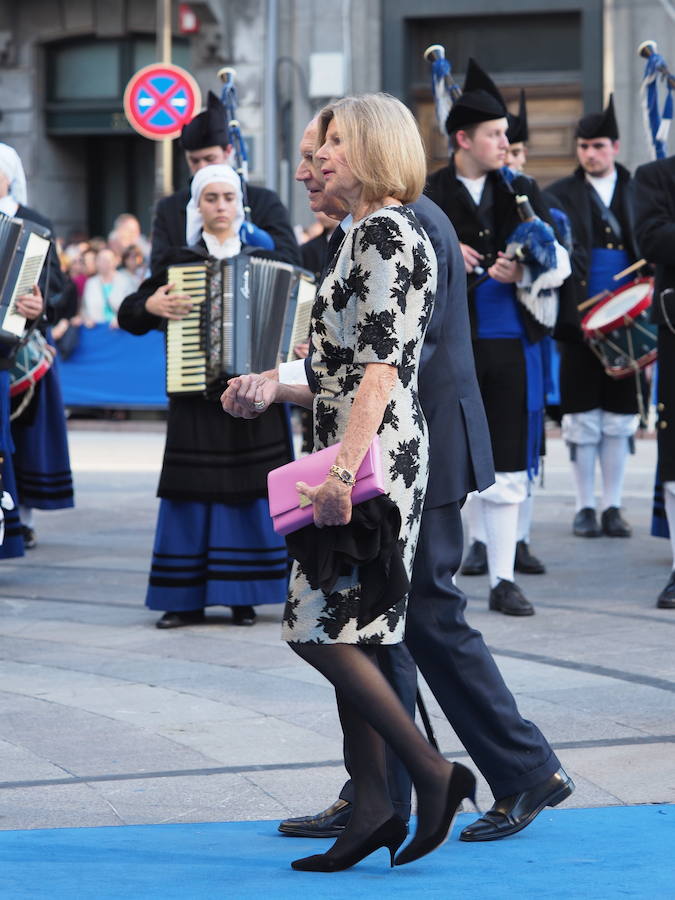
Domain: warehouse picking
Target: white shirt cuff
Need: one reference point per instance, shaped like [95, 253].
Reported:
[293, 372]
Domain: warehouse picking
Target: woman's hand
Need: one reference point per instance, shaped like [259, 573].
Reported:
[249, 396]
[60, 329]
[168, 306]
[30, 305]
[332, 501]
[506, 270]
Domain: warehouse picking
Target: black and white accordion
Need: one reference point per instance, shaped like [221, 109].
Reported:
[246, 316]
[23, 251]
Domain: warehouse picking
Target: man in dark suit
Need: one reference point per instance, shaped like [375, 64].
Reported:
[655, 232]
[513, 755]
[206, 143]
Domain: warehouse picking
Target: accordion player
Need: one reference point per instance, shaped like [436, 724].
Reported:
[244, 318]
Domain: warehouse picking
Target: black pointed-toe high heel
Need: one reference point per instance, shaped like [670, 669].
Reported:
[462, 785]
[390, 835]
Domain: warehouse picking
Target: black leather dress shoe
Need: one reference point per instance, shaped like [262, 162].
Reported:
[180, 619]
[525, 562]
[243, 615]
[475, 562]
[514, 813]
[329, 823]
[667, 596]
[614, 524]
[585, 524]
[508, 598]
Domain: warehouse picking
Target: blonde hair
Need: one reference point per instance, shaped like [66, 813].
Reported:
[383, 146]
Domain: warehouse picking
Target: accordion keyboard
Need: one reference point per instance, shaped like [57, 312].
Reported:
[186, 338]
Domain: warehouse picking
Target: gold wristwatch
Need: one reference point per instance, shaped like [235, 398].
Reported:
[343, 475]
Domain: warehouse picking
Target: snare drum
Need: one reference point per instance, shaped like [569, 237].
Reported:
[33, 361]
[619, 331]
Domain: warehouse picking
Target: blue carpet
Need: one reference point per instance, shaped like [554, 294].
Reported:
[594, 854]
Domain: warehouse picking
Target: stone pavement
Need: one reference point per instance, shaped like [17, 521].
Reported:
[105, 720]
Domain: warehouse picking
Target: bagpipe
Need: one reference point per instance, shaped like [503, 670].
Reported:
[533, 243]
[657, 124]
[249, 233]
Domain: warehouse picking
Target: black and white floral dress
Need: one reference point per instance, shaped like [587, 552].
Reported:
[373, 306]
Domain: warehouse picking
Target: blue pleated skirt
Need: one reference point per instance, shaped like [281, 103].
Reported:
[41, 458]
[13, 543]
[213, 554]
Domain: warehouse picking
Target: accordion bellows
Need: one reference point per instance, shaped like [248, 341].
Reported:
[243, 311]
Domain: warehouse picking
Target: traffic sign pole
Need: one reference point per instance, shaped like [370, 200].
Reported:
[163, 154]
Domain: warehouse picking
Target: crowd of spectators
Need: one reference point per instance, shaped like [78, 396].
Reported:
[102, 272]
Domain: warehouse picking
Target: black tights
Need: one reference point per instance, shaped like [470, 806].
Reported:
[371, 713]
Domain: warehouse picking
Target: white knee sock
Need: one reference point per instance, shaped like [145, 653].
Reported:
[613, 455]
[474, 515]
[669, 502]
[525, 518]
[26, 515]
[583, 469]
[501, 526]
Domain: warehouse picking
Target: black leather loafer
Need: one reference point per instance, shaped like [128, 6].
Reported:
[525, 562]
[328, 823]
[585, 524]
[508, 598]
[243, 615]
[475, 562]
[667, 596]
[180, 619]
[613, 523]
[512, 814]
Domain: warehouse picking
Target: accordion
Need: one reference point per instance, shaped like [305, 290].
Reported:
[23, 251]
[245, 317]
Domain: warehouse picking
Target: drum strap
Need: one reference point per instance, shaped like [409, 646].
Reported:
[606, 214]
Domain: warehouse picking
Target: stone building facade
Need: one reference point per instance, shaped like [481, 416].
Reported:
[64, 63]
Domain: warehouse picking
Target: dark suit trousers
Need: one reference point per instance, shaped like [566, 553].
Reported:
[511, 752]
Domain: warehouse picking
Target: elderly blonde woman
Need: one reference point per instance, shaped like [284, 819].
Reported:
[214, 543]
[368, 325]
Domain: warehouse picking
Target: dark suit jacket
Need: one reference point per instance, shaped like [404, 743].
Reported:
[655, 224]
[267, 212]
[460, 450]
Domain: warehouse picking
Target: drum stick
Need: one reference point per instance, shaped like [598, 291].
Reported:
[636, 265]
[596, 298]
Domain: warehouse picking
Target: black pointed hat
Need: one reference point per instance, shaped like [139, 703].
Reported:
[207, 129]
[480, 100]
[518, 131]
[599, 125]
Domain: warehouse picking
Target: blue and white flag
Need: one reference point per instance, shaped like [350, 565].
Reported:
[657, 125]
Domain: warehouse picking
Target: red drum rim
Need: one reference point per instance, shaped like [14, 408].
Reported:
[22, 384]
[620, 320]
[641, 363]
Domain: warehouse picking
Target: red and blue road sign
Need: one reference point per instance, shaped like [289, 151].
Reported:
[159, 99]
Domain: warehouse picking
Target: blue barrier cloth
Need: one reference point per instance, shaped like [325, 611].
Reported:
[111, 367]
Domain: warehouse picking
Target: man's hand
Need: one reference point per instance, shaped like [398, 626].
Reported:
[332, 501]
[248, 396]
[30, 305]
[472, 258]
[301, 350]
[168, 306]
[506, 270]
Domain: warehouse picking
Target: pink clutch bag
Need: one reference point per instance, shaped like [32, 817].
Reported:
[291, 511]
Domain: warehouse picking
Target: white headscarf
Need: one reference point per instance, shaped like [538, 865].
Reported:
[10, 165]
[203, 177]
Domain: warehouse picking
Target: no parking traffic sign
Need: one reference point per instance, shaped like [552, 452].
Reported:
[160, 99]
